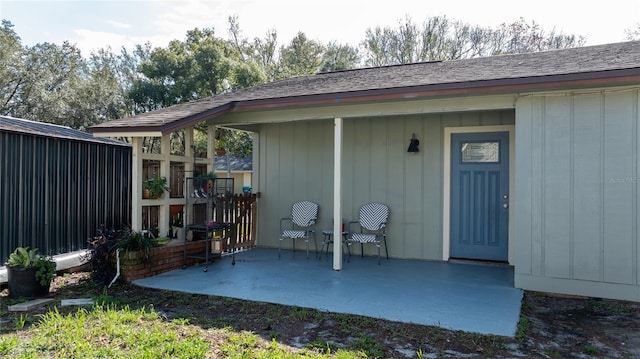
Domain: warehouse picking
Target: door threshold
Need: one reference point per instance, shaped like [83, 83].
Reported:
[479, 262]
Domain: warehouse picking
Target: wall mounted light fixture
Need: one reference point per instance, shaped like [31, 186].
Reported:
[413, 144]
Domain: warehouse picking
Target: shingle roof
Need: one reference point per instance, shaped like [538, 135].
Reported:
[18, 125]
[601, 61]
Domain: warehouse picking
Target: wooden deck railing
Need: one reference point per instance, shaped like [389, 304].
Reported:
[240, 209]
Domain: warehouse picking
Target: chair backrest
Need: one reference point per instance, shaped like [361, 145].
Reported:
[304, 213]
[373, 216]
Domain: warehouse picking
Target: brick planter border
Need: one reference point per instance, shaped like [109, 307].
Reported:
[161, 259]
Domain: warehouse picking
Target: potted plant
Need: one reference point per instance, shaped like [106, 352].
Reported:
[29, 274]
[154, 186]
[137, 241]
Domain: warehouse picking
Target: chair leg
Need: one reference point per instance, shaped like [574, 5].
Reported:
[326, 241]
[347, 243]
[386, 249]
[379, 254]
[279, 247]
[315, 244]
[326, 250]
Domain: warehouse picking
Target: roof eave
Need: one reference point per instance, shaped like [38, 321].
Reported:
[485, 87]
[157, 131]
[607, 78]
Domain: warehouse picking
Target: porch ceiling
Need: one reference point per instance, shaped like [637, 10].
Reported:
[469, 297]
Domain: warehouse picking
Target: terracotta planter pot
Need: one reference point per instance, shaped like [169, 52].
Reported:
[22, 283]
[146, 194]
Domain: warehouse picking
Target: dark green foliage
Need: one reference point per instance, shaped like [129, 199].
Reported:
[136, 241]
[46, 270]
[156, 185]
[100, 250]
[29, 257]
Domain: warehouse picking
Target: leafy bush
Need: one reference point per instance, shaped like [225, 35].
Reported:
[101, 248]
[25, 257]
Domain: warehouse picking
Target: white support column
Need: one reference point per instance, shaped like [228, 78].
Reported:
[188, 153]
[165, 170]
[337, 194]
[136, 183]
[255, 161]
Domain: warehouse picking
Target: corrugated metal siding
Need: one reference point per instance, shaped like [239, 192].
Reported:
[54, 192]
[577, 176]
[296, 163]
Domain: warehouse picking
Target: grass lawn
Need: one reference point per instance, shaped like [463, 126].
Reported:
[128, 321]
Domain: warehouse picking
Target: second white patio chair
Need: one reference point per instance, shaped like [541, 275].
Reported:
[301, 225]
[372, 222]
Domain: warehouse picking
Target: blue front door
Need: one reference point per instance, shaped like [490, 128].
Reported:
[480, 196]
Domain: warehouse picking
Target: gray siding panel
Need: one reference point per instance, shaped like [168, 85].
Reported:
[577, 187]
[537, 187]
[557, 195]
[524, 253]
[296, 163]
[619, 199]
[587, 189]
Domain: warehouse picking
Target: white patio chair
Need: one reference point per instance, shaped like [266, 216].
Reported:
[372, 222]
[301, 225]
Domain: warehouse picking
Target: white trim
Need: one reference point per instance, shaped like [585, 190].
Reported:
[136, 183]
[165, 171]
[446, 191]
[337, 194]
[128, 134]
[410, 106]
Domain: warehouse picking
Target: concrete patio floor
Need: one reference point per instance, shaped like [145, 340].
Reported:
[459, 296]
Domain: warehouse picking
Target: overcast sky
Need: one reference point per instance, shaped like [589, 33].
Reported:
[94, 24]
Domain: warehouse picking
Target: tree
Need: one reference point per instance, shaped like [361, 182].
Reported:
[633, 34]
[521, 37]
[238, 143]
[441, 39]
[54, 83]
[51, 76]
[339, 57]
[300, 57]
[201, 66]
[11, 65]
[259, 54]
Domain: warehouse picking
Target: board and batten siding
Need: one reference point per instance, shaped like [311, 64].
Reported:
[296, 163]
[577, 184]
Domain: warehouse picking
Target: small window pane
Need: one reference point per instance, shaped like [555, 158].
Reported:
[480, 152]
